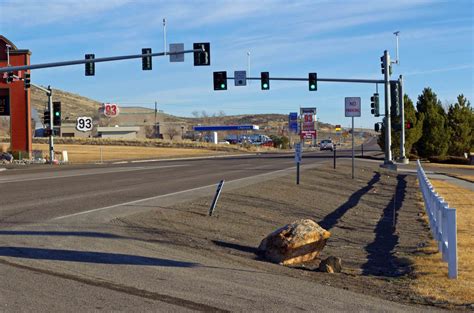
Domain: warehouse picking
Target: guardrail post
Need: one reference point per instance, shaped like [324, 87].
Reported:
[442, 222]
[452, 243]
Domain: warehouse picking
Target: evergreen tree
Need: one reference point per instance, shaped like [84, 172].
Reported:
[461, 123]
[412, 135]
[435, 136]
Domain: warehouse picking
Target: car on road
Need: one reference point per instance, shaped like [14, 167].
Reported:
[326, 144]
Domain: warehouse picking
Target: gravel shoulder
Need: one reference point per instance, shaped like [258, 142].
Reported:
[375, 221]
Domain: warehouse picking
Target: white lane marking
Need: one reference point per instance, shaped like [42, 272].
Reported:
[107, 171]
[166, 195]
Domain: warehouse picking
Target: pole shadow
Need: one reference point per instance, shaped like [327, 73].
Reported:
[332, 218]
[381, 259]
[235, 246]
[89, 257]
[58, 233]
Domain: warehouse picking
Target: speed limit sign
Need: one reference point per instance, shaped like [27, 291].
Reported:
[84, 124]
[111, 109]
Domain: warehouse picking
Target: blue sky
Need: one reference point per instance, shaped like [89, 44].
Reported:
[336, 39]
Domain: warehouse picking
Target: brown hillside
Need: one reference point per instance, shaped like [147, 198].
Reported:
[74, 105]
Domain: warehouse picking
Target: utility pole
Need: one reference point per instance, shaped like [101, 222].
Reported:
[156, 127]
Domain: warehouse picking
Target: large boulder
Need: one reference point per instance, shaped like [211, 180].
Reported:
[295, 243]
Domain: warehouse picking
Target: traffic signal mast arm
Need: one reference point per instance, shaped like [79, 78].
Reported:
[329, 80]
[84, 61]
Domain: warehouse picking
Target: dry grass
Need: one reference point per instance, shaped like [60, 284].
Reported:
[439, 165]
[469, 178]
[432, 280]
[92, 153]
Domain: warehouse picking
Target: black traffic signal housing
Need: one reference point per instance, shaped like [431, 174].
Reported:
[146, 61]
[394, 99]
[375, 104]
[313, 81]
[203, 57]
[220, 80]
[46, 118]
[382, 64]
[10, 77]
[265, 80]
[57, 113]
[27, 80]
[90, 66]
[377, 127]
[408, 125]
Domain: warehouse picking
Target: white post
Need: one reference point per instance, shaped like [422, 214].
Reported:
[164, 35]
[452, 243]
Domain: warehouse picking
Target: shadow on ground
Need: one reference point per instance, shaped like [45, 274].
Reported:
[89, 257]
[235, 246]
[381, 258]
[57, 233]
[330, 220]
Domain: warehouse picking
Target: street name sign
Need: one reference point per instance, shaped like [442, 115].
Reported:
[240, 78]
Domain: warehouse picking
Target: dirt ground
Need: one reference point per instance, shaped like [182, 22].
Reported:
[375, 222]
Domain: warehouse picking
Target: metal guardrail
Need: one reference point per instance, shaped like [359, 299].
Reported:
[442, 222]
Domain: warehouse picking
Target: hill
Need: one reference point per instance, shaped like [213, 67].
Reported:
[74, 105]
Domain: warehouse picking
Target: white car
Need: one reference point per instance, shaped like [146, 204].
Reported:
[326, 144]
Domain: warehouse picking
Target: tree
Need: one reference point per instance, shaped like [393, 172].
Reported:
[412, 135]
[461, 123]
[435, 137]
[172, 132]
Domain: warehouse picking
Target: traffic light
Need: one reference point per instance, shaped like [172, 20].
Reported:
[146, 61]
[220, 80]
[265, 80]
[377, 127]
[382, 64]
[203, 57]
[313, 81]
[90, 67]
[395, 99]
[46, 118]
[408, 125]
[9, 77]
[57, 113]
[27, 80]
[375, 104]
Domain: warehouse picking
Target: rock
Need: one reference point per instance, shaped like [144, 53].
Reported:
[295, 243]
[331, 264]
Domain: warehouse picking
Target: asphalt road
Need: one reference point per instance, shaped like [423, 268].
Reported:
[59, 251]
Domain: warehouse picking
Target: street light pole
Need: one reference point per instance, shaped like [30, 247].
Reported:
[156, 128]
[248, 65]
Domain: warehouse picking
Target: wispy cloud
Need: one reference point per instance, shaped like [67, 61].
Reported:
[440, 70]
[32, 12]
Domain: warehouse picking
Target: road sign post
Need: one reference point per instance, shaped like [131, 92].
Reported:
[352, 109]
[216, 197]
[298, 154]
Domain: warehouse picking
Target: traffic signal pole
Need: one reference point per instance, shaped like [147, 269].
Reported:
[403, 158]
[49, 93]
[388, 135]
[51, 125]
